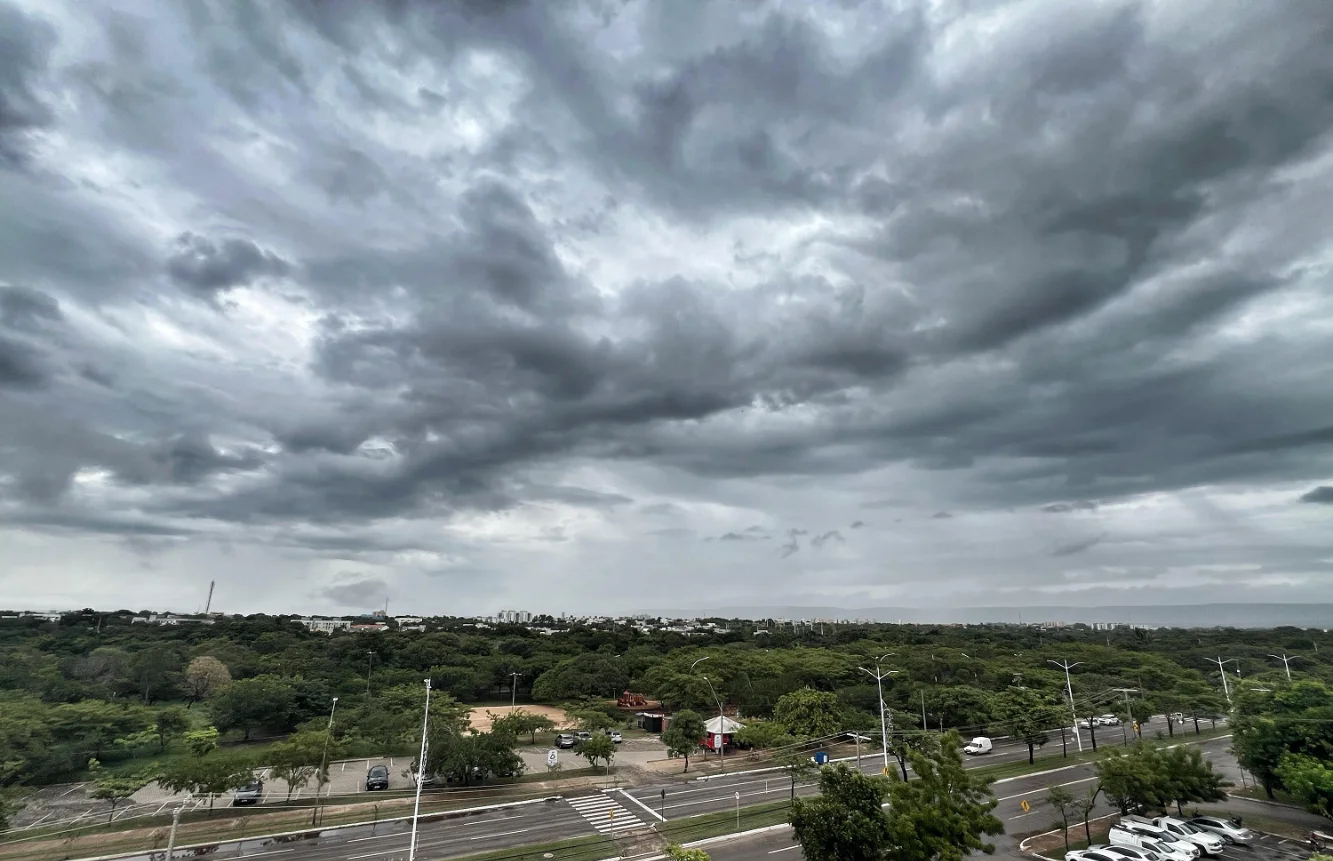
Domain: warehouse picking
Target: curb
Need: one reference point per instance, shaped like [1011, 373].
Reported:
[428, 817]
[1266, 801]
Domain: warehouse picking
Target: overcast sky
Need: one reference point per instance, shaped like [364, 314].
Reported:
[616, 305]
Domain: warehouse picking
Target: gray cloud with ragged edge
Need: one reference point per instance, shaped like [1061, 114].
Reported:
[503, 303]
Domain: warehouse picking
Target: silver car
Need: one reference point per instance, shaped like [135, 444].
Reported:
[1224, 828]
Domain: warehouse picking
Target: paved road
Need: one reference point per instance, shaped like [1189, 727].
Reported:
[592, 812]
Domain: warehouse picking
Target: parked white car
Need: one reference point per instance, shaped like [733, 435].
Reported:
[1224, 828]
[1182, 830]
[1093, 854]
[1122, 835]
[1133, 853]
[1108, 720]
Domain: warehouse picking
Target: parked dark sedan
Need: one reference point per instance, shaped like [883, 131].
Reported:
[377, 778]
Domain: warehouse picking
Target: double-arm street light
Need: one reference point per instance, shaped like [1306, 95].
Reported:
[1069, 686]
[879, 675]
[1286, 662]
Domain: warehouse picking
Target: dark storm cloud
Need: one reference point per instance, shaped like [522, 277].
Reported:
[25, 308]
[1322, 495]
[353, 590]
[25, 46]
[21, 365]
[1066, 507]
[822, 539]
[1082, 545]
[689, 243]
[207, 267]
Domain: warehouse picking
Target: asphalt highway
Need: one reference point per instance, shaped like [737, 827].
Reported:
[617, 811]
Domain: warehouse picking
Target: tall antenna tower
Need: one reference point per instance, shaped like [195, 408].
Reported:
[209, 604]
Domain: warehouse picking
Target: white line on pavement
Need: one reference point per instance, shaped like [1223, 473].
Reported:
[784, 849]
[501, 834]
[660, 817]
[1040, 788]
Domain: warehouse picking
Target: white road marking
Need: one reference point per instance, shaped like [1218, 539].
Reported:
[651, 812]
[784, 849]
[1040, 788]
[501, 834]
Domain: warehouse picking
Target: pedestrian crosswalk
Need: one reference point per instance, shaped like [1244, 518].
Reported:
[604, 813]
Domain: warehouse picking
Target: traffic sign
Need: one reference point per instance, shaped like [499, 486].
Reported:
[1024, 804]
[552, 756]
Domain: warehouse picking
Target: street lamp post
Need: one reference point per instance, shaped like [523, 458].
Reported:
[513, 690]
[721, 718]
[370, 664]
[421, 777]
[1286, 662]
[879, 675]
[323, 760]
[1221, 669]
[1069, 686]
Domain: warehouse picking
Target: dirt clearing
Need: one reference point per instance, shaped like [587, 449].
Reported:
[480, 718]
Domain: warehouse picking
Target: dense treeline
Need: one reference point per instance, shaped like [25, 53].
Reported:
[95, 687]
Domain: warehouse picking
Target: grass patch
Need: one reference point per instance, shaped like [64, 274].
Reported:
[724, 822]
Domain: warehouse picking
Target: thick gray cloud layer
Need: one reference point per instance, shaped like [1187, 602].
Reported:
[517, 303]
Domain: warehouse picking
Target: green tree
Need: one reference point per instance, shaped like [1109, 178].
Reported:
[799, 766]
[1188, 777]
[1062, 801]
[169, 723]
[590, 674]
[114, 790]
[465, 757]
[250, 704]
[764, 734]
[592, 720]
[204, 676]
[1133, 778]
[298, 759]
[845, 822]
[599, 747]
[1084, 805]
[684, 734]
[945, 812]
[677, 852]
[156, 669]
[1028, 714]
[1296, 719]
[1309, 780]
[808, 713]
[202, 742]
[211, 775]
[521, 722]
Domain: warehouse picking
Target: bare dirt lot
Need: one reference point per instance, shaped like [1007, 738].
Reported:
[480, 718]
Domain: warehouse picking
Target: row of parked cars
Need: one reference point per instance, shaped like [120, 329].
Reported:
[571, 739]
[1165, 838]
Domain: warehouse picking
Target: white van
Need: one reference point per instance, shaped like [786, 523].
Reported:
[1182, 830]
[980, 744]
[1121, 835]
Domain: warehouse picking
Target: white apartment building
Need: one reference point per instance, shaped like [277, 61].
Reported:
[326, 626]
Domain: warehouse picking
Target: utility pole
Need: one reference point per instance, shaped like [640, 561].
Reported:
[924, 728]
[421, 777]
[1286, 662]
[1069, 686]
[1221, 669]
[1129, 714]
[323, 761]
[171, 837]
[879, 676]
[370, 663]
[513, 690]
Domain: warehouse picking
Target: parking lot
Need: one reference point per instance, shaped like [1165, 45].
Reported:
[1267, 848]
